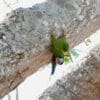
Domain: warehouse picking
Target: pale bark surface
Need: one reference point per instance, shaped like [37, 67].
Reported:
[25, 36]
[81, 84]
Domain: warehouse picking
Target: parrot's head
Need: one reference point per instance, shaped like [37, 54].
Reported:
[60, 60]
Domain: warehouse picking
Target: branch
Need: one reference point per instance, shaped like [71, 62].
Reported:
[25, 37]
[80, 84]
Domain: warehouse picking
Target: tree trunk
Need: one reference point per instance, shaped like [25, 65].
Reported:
[25, 36]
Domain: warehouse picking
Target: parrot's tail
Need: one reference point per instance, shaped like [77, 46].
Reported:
[53, 62]
[53, 69]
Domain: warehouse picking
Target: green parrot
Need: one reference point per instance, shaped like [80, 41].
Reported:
[59, 49]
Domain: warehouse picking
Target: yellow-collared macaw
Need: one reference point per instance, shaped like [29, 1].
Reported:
[59, 48]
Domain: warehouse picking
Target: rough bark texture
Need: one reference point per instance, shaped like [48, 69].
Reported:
[81, 84]
[25, 36]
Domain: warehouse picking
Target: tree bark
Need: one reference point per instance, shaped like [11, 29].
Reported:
[80, 84]
[25, 36]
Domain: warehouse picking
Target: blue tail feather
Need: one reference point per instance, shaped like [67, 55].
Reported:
[53, 69]
[53, 62]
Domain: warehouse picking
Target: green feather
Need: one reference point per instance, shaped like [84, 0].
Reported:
[59, 46]
[60, 49]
